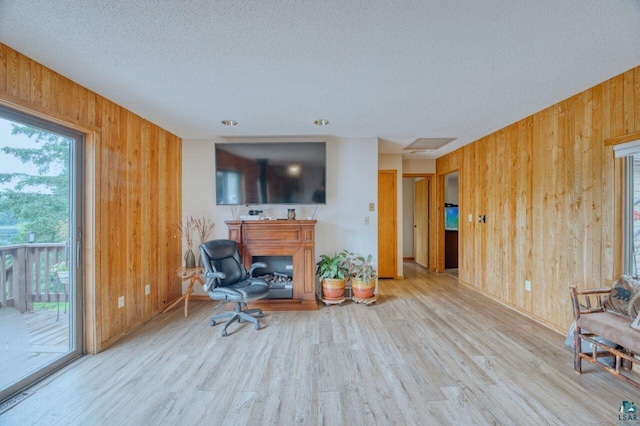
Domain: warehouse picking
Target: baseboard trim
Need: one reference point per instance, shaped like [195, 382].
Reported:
[539, 320]
[199, 297]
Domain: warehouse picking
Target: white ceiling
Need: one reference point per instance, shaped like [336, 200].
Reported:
[396, 70]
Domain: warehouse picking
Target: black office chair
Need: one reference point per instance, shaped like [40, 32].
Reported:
[228, 281]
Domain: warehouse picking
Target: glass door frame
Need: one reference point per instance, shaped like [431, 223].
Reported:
[76, 260]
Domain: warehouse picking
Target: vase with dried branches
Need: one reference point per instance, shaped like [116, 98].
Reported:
[204, 228]
[187, 230]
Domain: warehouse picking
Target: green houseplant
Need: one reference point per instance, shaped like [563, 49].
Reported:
[333, 272]
[363, 275]
[61, 269]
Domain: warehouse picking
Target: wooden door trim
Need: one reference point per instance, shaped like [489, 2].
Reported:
[420, 216]
[629, 137]
[440, 216]
[433, 222]
[90, 341]
[395, 219]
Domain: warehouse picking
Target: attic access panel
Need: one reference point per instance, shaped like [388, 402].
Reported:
[428, 144]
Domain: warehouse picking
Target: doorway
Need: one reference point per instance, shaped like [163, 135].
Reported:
[41, 226]
[451, 223]
[417, 229]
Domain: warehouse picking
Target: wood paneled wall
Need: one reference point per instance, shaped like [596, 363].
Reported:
[133, 195]
[552, 194]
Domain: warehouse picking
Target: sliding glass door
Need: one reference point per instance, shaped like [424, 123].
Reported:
[40, 249]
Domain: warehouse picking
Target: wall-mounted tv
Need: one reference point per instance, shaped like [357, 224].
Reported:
[270, 173]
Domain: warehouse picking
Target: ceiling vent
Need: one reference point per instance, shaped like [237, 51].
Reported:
[427, 144]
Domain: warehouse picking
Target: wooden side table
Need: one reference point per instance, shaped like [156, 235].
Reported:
[193, 275]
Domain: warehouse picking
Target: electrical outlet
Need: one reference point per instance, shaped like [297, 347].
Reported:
[470, 218]
[147, 289]
[288, 267]
[372, 207]
[527, 285]
[121, 302]
[366, 220]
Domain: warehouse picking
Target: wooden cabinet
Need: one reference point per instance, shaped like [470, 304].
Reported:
[450, 249]
[295, 238]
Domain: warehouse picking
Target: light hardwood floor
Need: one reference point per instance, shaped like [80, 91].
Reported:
[429, 352]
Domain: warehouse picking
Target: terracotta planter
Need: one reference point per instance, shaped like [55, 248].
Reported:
[333, 288]
[363, 289]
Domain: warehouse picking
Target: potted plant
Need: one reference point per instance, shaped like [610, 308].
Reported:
[61, 269]
[204, 228]
[333, 272]
[363, 275]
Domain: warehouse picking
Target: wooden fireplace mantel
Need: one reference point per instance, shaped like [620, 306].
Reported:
[295, 238]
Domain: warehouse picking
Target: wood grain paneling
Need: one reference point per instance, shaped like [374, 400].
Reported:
[551, 191]
[387, 224]
[133, 195]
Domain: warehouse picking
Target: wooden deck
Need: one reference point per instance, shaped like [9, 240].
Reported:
[49, 337]
[35, 339]
[430, 351]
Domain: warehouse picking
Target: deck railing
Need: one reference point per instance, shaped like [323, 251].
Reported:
[26, 275]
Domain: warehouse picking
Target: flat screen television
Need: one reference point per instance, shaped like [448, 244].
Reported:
[270, 173]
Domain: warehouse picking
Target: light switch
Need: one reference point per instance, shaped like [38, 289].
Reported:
[372, 207]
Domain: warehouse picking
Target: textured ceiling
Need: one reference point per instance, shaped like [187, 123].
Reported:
[396, 70]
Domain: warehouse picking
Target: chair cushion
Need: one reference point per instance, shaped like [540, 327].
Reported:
[612, 327]
[231, 267]
[243, 291]
[223, 256]
[624, 298]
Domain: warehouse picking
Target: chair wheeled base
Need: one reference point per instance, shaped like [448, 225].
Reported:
[237, 315]
[229, 281]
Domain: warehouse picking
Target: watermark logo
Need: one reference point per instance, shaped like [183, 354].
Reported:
[628, 413]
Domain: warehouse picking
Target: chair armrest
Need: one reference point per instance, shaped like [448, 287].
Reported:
[605, 290]
[211, 276]
[255, 266]
[592, 300]
[220, 275]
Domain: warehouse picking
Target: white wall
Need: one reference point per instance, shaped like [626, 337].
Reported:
[407, 216]
[351, 184]
[451, 188]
